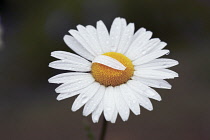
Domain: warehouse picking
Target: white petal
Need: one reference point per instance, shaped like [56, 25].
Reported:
[63, 96]
[122, 28]
[70, 87]
[115, 33]
[90, 40]
[126, 38]
[69, 77]
[85, 96]
[124, 23]
[82, 41]
[97, 112]
[150, 57]
[156, 74]
[156, 83]
[91, 105]
[153, 45]
[160, 63]
[143, 101]
[114, 116]
[103, 36]
[138, 33]
[160, 46]
[170, 71]
[70, 65]
[94, 38]
[138, 44]
[121, 105]
[77, 47]
[146, 48]
[69, 56]
[109, 104]
[130, 99]
[143, 90]
[109, 62]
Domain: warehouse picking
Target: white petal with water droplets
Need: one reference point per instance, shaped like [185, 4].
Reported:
[91, 105]
[143, 89]
[143, 101]
[160, 63]
[126, 38]
[109, 104]
[138, 44]
[109, 62]
[89, 39]
[156, 83]
[85, 96]
[121, 105]
[123, 23]
[169, 71]
[63, 96]
[114, 116]
[150, 57]
[82, 41]
[156, 74]
[70, 87]
[93, 36]
[160, 46]
[103, 36]
[69, 77]
[70, 65]
[77, 47]
[130, 99]
[97, 112]
[139, 32]
[146, 48]
[69, 56]
[115, 33]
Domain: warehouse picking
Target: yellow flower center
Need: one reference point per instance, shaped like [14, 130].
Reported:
[111, 77]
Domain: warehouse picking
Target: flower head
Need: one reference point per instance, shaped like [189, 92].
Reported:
[113, 72]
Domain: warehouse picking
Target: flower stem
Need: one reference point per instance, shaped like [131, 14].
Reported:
[103, 129]
[88, 130]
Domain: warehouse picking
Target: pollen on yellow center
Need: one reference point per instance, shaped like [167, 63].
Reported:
[111, 77]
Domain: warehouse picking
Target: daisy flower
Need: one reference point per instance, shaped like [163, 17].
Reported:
[114, 71]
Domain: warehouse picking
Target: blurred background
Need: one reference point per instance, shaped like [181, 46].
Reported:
[31, 29]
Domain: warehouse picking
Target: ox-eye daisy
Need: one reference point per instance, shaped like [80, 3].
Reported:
[113, 72]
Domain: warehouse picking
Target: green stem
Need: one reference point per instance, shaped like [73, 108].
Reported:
[88, 130]
[103, 130]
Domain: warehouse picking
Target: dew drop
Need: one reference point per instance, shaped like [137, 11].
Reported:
[143, 52]
[94, 105]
